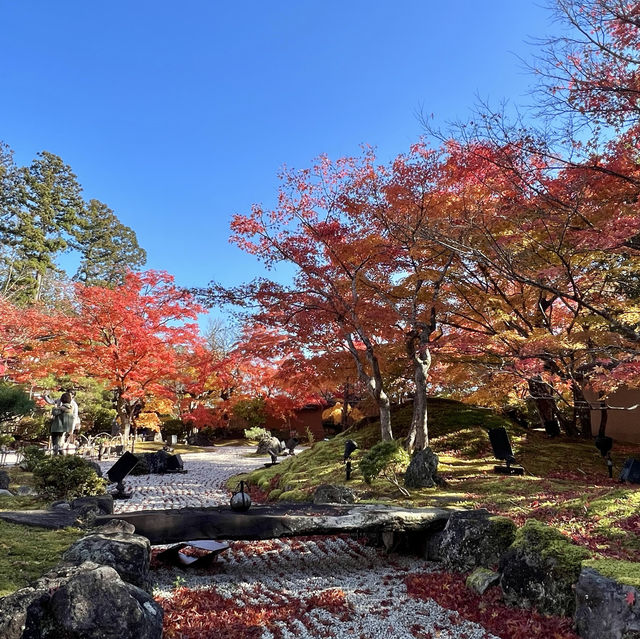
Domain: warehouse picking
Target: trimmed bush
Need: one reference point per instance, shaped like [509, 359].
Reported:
[67, 477]
[32, 456]
[386, 460]
[256, 433]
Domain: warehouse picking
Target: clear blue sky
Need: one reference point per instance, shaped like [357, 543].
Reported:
[179, 114]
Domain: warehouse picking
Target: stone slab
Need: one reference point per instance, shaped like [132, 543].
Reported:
[281, 520]
[52, 519]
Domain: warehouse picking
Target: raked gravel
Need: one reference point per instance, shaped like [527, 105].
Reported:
[294, 569]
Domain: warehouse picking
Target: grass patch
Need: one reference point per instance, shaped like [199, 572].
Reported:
[26, 553]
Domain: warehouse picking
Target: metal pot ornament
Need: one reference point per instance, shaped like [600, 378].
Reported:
[240, 500]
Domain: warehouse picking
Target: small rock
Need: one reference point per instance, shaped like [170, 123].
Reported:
[333, 494]
[6, 493]
[25, 491]
[115, 526]
[481, 579]
[4, 480]
[61, 505]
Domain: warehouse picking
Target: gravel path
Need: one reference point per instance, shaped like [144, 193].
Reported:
[290, 576]
[203, 485]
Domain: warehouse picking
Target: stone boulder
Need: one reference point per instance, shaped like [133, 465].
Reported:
[268, 444]
[333, 494]
[540, 570]
[606, 609]
[422, 469]
[98, 505]
[157, 462]
[80, 602]
[129, 555]
[474, 538]
[4, 480]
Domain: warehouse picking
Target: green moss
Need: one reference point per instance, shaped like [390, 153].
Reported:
[275, 494]
[624, 572]
[26, 553]
[503, 530]
[564, 557]
[294, 495]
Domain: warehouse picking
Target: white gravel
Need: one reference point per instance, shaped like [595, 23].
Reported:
[268, 573]
[203, 485]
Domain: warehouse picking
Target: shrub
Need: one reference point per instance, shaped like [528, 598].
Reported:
[32, 456]
[67, 477]
[310, 438]
[256, 433]
[6, 440]
[173, 427]
[385, 459]
[14, 402]
[252, 411]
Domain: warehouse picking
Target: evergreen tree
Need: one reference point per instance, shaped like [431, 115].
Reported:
[108, 247]
[51, 204]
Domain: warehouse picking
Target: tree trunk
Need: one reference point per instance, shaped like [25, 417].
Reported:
[124, 416]
[384, 406]
[546, 406]
[581, 410]
[374, 384]
[345, 407]
[604, 417]
[418, 438]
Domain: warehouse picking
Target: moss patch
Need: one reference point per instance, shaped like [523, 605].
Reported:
[26, 553]
[624, 572]
[538, 538]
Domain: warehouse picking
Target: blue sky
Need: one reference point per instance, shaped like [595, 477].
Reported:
[178, 115]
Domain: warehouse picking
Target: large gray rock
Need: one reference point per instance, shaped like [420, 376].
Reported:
[4, 480]
[268, 444]
[13, 611]
[97, 604]
[157, 462]
[541, 569]
[606, 609]
[93, 506]
[333, 494]
[80, 602]
[422, 469]
[129, 555]
[474, 538]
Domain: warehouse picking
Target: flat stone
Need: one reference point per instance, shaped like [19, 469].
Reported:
[52, 519]
[281, 520]
[481, 579]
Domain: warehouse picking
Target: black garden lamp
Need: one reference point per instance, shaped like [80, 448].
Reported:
[349, 447]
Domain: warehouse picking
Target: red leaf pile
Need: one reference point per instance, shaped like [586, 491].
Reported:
[449, 590]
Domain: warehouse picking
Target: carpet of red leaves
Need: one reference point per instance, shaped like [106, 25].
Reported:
[203, 614]
[450, 591]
